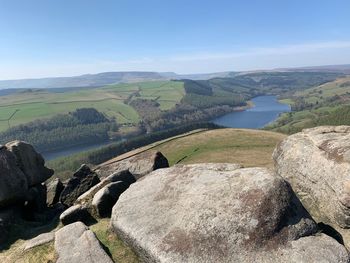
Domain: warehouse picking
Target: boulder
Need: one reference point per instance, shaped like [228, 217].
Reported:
[124, 176]
[75, 243]
[39, 240]
[316, 162]
[74, 214]
[30, 162]
[106, 198]
[139, 165]
[81, 182]
[54, 190]
[219, 213]
[13, 182]
[21, 168]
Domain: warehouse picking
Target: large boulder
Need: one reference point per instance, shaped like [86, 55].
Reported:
[13, 182]
[316, 162]
[30, 162]
[21, 168]
[75, 243]
[219, 213]
[105, 199]
[81, 182]
[123, 176]
[139, 165]
[54, 190]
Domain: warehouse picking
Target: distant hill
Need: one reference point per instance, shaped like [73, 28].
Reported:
[100, 79]
[106, 78]
[88, 80]
[329, 68]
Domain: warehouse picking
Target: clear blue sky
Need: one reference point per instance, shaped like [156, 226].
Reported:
[69, 37]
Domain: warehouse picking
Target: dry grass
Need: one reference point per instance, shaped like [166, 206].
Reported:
[41, 254]
[246, 147]
[118, 250]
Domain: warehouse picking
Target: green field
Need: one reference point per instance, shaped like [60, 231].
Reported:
[340, 86]
[247, 147]
[109, 100]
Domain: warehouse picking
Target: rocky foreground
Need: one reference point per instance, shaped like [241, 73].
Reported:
[298, 212]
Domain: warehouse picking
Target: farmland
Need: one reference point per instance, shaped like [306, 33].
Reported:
[111, 100]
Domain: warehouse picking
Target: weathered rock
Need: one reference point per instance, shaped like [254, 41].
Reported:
[124, 176]
[219, 213]
[75, 243]
[30, 162]
[106, 198]
[54, 190]
[316, 162]
[138, 165]
[78, 185]
[39, 240]
[74, 214]
[13, 182]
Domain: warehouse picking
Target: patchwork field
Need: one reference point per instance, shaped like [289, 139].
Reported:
[111, 100]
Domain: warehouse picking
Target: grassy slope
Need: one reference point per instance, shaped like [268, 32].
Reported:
[108, 99]
[246, 147]
[340, 87]
[296, 121]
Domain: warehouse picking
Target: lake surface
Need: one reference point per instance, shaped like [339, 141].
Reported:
[266, 109]
[76, 149]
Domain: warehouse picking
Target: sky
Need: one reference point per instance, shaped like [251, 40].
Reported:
[47, 38]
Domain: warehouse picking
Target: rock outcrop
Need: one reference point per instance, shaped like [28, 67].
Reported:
[75, 243]
[82, 180]
[219, 213]
[138, 165]
[316, 162]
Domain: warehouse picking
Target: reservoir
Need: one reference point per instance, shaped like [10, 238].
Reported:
[266, 109]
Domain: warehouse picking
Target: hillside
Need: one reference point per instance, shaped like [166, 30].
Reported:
[244, 146]
[88, 80]
[325, 104]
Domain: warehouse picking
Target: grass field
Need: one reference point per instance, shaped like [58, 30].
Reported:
[244, 146]
[109, 100]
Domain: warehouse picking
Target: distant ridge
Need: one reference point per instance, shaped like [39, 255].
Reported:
[106, 78]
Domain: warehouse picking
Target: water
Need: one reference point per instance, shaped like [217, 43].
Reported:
[265, 110]
[76, 149]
